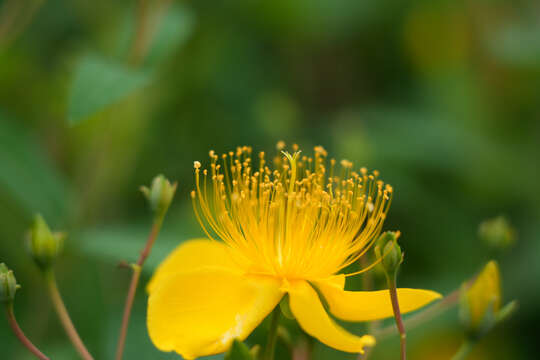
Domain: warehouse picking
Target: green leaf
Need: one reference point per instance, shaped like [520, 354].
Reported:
[516, 44]
[173, 30]
[98, 83]
[27, 177]
[239, 351]
[170, 27]
[113, 244]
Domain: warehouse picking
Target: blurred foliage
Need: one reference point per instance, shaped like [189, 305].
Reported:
[98, 83]
[441, 96]
[497, 232]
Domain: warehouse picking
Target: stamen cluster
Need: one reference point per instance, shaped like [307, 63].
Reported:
[301, 218]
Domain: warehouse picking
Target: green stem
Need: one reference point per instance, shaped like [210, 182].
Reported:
[272, 335]
[10, 11]
[367, 285]
[158, 221]
[464, 350]
[424, 315]
[397, 315]
[63, 315]
[20, 334]
[139, 42]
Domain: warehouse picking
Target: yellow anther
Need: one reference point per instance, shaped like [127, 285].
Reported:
[294, 207]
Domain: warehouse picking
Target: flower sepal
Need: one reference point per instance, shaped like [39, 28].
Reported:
[286, 308]
[240, 351]
[8, 284]
[389, 252]
[159, 194]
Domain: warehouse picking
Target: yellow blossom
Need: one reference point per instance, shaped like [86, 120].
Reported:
[286, 228]
[484, 293]
[481, 306]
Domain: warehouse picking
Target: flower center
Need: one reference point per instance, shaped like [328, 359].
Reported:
[302, 219]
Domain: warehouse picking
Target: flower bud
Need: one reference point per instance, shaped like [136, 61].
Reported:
[389, 252]
[8, 284]
[159, 194]
[481, 302]
[44, 246]
[497, 232]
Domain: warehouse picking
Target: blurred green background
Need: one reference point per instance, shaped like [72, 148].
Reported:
[97, 97]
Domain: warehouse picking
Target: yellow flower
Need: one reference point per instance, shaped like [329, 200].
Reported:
[481, 303]
[484, 294]
[273, 232]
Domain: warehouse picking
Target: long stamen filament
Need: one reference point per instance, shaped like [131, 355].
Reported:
[295, 221]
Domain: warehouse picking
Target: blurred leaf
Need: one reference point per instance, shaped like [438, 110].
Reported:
[238, 351]
[517, 45]
[173, 29]
[56, 350]
[114, 244]
[124, 243]
[27, 176]
[169, 26]
[99, 82]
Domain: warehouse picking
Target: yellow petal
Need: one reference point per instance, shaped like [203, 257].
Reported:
[309, 311]
[192, 255]
[484, 293]
[336, 280]
[200, 313]
[371, 305]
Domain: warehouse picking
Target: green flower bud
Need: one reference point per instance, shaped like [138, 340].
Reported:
[8, 284]
[44, 246]
[389, 252]
[497, 232]
[159, 194]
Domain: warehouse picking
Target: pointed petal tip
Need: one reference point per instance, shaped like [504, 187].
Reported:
[369, 340]
[312, 317]
[372, 305]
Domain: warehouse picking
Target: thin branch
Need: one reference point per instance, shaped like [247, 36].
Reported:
[134, 282]
[26, 19]
[10, 11]
[15, 19]
[397, 316]
[427, 314]
[367, 285]
[149, 17]
[20, 334]
[141, 38]
[272, 335]
[63, 315]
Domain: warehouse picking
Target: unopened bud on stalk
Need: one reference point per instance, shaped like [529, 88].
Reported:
[497, 232]
[44, 246]
[389, 252]
[480, 305]
[8, 284]
[159, 194]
